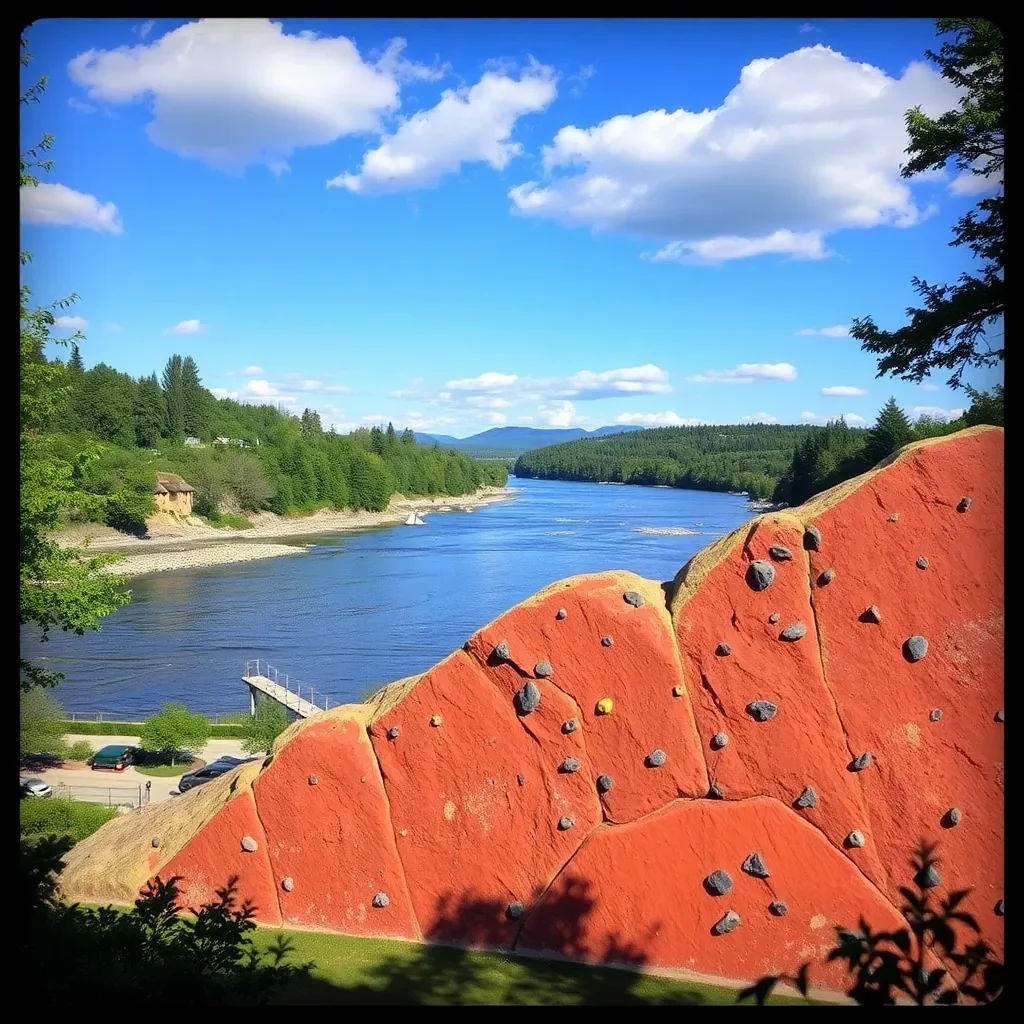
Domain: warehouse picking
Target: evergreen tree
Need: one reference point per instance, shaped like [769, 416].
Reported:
[174, 395]
[408, 437]
[390, 442]
[193, 399]
[150, 412]
[891, 431]
[75, 364]
[310, 424]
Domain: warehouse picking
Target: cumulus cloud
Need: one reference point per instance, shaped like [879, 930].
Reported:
[935, 413]
[838, 331]
[253, 371]
[186, 327]
[578, 81]
[843, 391]
[807, 27]
[71, 323]
[852, 419]
[657, 419]
[746, 373]
[239, 91]
[809, 246]
[468, 125]
[559, 414]
[496, 419]
[584, 385]
[804, 145]
[144, 29]
[759, 417]
[48, 203]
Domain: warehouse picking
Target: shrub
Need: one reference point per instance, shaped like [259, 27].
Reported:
[172, 729]
[42, 730]
[81, 750]
[264, 727]
[128, 511]
[225, 731]
[58, 816]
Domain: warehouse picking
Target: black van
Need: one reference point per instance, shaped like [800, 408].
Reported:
[211, 771]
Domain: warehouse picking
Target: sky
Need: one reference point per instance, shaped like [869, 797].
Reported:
[460, 224]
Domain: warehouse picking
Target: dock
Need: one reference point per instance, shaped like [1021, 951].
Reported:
[261, 677]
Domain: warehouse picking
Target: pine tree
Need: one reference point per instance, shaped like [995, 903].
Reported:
[75, 364]
[193, 399]
[174, 396]
[150, 412]
[310, 424]
[389, 437]
[892, 430]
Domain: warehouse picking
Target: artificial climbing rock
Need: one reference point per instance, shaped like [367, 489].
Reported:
[656, 758]
[394, 732]
[514, 911]
[964, 505]
[436, 720]
[777, 908]
[773, 618]
[922, 563]
[754, 865]
[760, 575]
[605, 783]
[780, 553]
[807, 798]
[861, 761]
[543, 669]
[528, 699]
[605, 705]
[719, 740]
[935, 714]
[795, 632]
[565, 823]
[607, 641]
[953, 817]
[762, 710]
[723, 650]
[855, 839]
[560, 614]
[812, 539]
[249, 844]
[915, 648]
[381, 900]
[570, 765]
[872, 614]
[570, 725]
[826, 577]
[728, 923]
[632, 597]
[288, 884]
[155, 842]
[501, 651]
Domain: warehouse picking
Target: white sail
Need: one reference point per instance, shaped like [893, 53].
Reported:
[411, 521]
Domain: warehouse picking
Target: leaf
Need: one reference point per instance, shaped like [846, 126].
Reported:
[802, 980]
[901, 939]
[760, 990]
[954, 899]
[967, 919]
[947, 998]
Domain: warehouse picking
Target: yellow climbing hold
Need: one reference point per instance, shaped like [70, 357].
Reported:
[604, 706]
[678, 691]
[435, 720]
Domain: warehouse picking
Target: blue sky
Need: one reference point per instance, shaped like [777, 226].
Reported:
[461, 224]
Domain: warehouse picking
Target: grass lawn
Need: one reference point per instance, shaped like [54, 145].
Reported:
[163, 771]
[59, 816]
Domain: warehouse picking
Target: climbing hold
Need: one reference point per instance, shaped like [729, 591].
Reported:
[762, 710]
[999, 908]
[922, 563]
[893, 517]
[633, 598]
[795, 632]
[605, 705]
[826, 577]
[915, 648]
[514, 911]
[929, 877]
[727, 923]
[858, 764]
[678, 690]
[808, 798]
[719, 740]
[718, 883]
[570, 766]
[436, 720]
[605, 783]
[952, 817]
[935, 714]
[855, 839]
[777, 908]
[723, 650]
[521, 779]
[715, 792]
[607, 641]
[155, 843]
[565, 823]
[754, 865]
[381, 900]
[543, 669]
[501, 652]
[249, 844]
[773, 618]
[287, 884]
[569, 726]
[393, 732]
[965, 504]
[1000, 715]
[656, 758]
[528, 699]
[313, 780]
[760, 575]
[872, 614]
[812, 538]
[779, 553]
[561, 613]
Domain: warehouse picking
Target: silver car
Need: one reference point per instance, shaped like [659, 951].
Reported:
[35, 787]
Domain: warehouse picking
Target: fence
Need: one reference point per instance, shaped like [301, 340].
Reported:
[229, 718]
[258, 667]
[112, 796]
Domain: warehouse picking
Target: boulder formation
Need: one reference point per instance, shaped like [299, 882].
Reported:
[707, 775]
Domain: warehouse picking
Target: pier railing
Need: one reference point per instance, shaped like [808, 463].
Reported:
[297, 695]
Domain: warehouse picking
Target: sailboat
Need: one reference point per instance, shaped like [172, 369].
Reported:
[414, 520]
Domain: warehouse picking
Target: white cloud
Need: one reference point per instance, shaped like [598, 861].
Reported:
[186, 327]
[580, 79]
[48, 203]
[977, 180]
[936, 413]
[559, 414]
[225, 393]
[240, 91]
[584, 385]
[468, 125]
[71, 323]
[804, 145]
[497, 419]
[838, 331]
[145, 28]
[253, 371]
[745, 373]
[929, 387]
[807, 27]
[656, 419]
[852, 418]
[759, 417]
[485, 382]
[843, 391]
[808, 246]
[76, 104]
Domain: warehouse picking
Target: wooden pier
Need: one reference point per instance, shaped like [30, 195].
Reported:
[262, 678]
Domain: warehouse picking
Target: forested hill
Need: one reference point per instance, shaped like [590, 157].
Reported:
[749, 458]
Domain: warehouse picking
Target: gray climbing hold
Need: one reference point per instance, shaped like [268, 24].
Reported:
[521, 779]
[565, 823]
[922, 563]
[855, 839]
[288, 884]
[893, 517]
[1000, 715]
[528, 698]
[860, 763]
[777, 908]
[607, 641]
[514, 911]
[715, 792]
[780, 554]
[543, 669]
[155, 843]
[393, 732]
[719, 740]
[249, 844]
[570, 726]
[795, 632]
[773, 618]
[727, 923]
[812, 538]
[605, 783]
[723, 650]
[999, 908]
[762, 710]
[570, 766]
[952, 817]
[964, 505]
[808, 798]
[826, 577]
[929, 877]
[501, 651]
[754, 865]
[718, 882]
[872, 614]
[915, 648]
[561, 613]
[436, 720]
[313, 780]
[633, 598]
[760, 575]
[935, 714]
[656, 758]
[380, 900]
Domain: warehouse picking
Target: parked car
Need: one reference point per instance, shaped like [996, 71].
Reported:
[211, 771]
[116, 756]
[35, 787]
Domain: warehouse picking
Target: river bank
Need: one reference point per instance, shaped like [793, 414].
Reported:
[179, 544]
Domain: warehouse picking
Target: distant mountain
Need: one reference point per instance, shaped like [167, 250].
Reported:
[429, 439]
[522, 438]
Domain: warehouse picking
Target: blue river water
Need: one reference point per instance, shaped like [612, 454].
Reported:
[362, 609]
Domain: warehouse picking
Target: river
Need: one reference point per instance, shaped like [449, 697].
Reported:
[362, 609]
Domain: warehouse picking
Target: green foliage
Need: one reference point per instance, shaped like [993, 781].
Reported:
[890, 432]
[986, 407]
[128, 510]
[149, 412]
[264, 727]
[234, 731]
[228, 521]
[824, 459]
[42, 728]
[80, 750]
[949, 331]
[172, 729]
[886, 966]
[57, 816]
